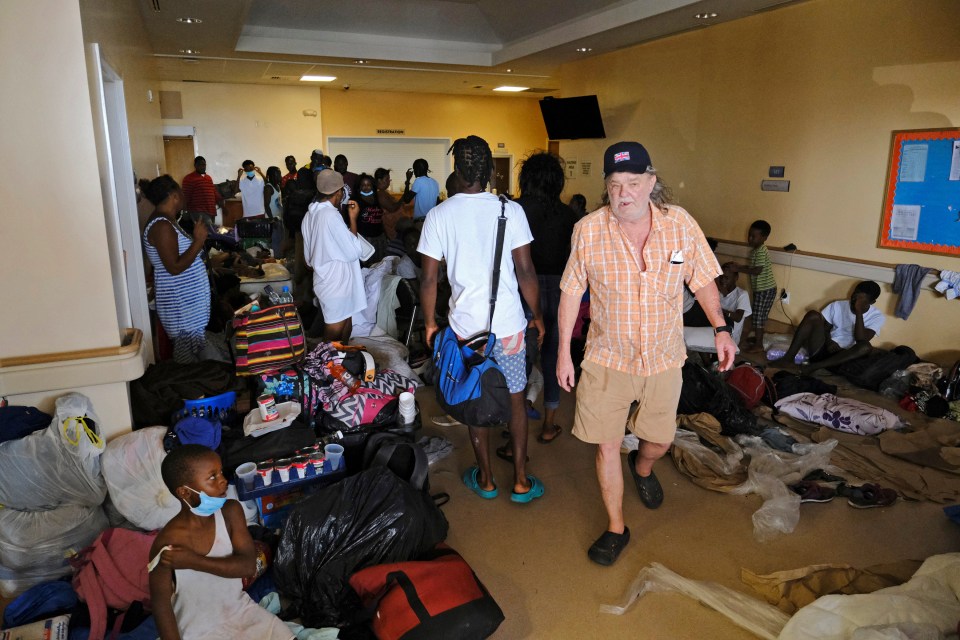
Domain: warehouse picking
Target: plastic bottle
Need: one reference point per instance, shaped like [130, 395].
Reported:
[286, 296]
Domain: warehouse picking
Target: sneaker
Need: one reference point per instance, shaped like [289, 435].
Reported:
[810, 491]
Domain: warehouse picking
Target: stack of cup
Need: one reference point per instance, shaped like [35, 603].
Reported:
[247, 473]
[408, 408]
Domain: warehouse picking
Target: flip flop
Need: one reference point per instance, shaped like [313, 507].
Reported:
[557, 430]
[470, 480]
[651, 493]
[506, 453]
[536, 490]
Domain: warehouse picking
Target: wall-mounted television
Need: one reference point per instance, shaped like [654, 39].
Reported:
[572, 118]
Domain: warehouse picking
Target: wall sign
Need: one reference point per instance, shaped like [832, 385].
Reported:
[391, 132]
[921, 207]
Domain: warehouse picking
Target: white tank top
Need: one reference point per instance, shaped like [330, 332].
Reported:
[209, 607]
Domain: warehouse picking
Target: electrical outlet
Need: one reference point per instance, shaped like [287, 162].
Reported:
[785, 296]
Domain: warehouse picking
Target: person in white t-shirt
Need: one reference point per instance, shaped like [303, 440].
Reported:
[250, 181]
[463, 230]
[841, 332]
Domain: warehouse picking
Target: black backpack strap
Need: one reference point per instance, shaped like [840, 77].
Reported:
[498, 256]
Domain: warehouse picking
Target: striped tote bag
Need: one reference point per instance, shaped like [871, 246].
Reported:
[268, 340]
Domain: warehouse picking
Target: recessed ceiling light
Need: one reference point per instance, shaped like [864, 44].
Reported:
[317, 78]
[361, 62]
[705, 16]
[190, 20]
[511, 89]
[584, 49]
[509, 70]
[190, 51]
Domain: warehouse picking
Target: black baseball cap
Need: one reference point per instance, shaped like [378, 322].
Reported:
[629, 157]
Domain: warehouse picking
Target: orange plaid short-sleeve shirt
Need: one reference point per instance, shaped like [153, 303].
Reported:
[637, 316]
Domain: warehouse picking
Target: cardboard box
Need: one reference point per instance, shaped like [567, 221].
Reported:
[57, 628]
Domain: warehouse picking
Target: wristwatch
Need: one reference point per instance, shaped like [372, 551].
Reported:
[724, 328]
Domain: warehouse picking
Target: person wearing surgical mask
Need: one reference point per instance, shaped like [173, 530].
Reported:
[250, 181]
[370, 222]
[199, 559]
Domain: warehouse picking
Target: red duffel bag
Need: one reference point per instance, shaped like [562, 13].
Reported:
[429, 599]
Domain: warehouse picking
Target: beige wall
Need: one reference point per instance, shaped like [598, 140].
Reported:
[118, 28]
[516, 122]
[55, 276]
[239, 121]
[817, 87]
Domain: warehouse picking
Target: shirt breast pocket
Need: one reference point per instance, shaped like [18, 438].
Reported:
[669, 279]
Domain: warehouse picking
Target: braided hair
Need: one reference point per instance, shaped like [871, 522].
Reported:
[473, 160]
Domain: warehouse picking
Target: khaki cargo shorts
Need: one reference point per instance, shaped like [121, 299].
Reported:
[604, 397]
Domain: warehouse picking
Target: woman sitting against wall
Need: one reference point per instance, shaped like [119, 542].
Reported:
[181, 285]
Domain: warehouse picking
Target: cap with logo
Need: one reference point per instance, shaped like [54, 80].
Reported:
[329, 182]
[628, 157]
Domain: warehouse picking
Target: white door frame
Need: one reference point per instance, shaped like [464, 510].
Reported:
[119, 197]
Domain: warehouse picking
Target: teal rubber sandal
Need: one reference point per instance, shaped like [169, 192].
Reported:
[536, 490]
[470, 480]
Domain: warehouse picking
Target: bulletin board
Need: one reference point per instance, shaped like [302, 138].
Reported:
[921, 208]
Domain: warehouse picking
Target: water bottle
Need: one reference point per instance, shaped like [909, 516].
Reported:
[286, 296]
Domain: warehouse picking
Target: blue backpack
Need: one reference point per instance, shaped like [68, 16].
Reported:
[470, 384]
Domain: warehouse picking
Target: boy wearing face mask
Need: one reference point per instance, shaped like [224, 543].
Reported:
[250, 181]
[204, 553]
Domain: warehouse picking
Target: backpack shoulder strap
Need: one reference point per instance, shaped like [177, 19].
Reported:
[498, 256]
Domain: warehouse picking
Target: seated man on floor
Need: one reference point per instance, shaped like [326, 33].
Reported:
[840, 333]
[735, 304]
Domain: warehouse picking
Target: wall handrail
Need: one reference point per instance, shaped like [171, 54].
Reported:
[131, 344]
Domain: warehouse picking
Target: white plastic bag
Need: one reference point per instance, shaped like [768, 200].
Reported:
[58, 465]
[45, 539]
[131, 467]
[768, 475]
[754, 615]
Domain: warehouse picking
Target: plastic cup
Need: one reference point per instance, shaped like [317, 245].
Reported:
[283, 468]
[265, 471]
[247, 472]
[407, 407]
[333, 453]
[300, 463]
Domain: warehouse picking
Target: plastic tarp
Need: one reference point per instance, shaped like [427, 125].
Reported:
[929, 601]
[754, 615]
[58, 465]
[368, 519]
[131, 468]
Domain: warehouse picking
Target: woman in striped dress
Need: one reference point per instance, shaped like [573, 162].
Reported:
[182, 289]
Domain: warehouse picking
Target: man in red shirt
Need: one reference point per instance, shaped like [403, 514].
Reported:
[291, 163]
[199, 194]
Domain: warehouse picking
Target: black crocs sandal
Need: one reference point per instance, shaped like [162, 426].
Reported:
[607, 548]
[651, 493]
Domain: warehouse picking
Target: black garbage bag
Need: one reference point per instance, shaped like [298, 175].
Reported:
[703, 391]
[368, 519]
[872, 369]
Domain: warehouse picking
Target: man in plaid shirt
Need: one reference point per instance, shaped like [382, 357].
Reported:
[635, 254]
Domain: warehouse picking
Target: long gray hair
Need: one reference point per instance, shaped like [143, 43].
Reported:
[660, 196]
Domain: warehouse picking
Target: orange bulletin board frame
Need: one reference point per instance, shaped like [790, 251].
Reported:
[918, 182]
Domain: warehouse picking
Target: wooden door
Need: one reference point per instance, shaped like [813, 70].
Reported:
[178, 153]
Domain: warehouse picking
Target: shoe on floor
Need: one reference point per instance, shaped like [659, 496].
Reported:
[536, 490]
[607, 548]
[810, 491]
[533, 414]
[651, 493]
[867, 496]
[470, 480]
